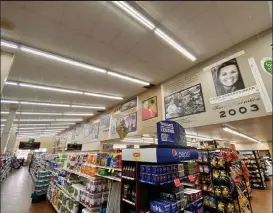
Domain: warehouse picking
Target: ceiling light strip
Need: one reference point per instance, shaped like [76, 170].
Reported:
[134, 13]
[61, 59]
[50, 120]
[174, 44]
[49, 88]
[9, 44]
[128, 78]
[142, 19]
[52, 56]
[50, 113]
[235, 132]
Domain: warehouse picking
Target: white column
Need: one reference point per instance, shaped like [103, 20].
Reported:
[12, 138]
[6, 63]
[6, 130]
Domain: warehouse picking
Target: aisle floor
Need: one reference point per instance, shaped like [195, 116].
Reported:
[262, 199]
[16, 192]
[17, 189]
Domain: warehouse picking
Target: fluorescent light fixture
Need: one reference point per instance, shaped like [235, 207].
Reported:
[40, 113]
[173, 43]
[39, 120]
[9, 44]
[88, 107]
[34, 124]
[57, 124]
[56, 127]
[3, 120]
[134, 13]
[31, 128]
[128, 78]
[198, 137]
[44, 104]
[102, 96]
[9, 101]
[50, 88]
[11, 83]
[61, 59]
[78, 114]
[235, 132]
[4, 113]
[68, 119]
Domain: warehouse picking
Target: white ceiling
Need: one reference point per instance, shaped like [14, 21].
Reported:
[258, 128]
[99, 33]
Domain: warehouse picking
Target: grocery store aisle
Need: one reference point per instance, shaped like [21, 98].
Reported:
[16, 192]
[262, 199]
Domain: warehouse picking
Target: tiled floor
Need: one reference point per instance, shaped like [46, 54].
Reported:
[262, 199]
[16, 192]
[17, 189]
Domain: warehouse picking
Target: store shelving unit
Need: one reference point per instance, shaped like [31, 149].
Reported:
[255, 168]
[145, 191]
[222, 183]
[5, 164]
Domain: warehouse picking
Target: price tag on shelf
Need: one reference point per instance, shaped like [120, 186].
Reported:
[113, 170]
[177, 182]
[191, 178]
[109, 170]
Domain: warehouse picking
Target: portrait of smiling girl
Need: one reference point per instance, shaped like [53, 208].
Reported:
[227, 78]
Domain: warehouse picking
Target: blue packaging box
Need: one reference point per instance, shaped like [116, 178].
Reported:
[171, 133]
[160, 207]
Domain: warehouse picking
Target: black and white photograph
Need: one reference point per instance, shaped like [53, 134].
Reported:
[186, 102]
[130, 121]
[128, 105]
[227, 77]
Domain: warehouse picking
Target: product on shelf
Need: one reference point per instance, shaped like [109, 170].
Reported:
[160, 173]
[256, 170]
[223, 180]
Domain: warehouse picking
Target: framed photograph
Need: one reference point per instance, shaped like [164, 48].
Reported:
[128, 105]
[94, 130]
[185, 102]
[149, 108]
[130, 122]
[227, 77]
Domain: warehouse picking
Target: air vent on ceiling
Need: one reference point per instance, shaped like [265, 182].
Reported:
[100, 111]
[149, 86]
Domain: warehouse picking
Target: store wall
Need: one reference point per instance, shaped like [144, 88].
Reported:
[197, 97]
[252, 146]
[45, 143]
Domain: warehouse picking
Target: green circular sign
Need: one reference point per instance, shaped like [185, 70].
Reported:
[266, 64]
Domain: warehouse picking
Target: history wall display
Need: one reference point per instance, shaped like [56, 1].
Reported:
[149, 111]
[231, 86]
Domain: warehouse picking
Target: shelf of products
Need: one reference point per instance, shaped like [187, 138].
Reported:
[42, 168]
[91, 194]
[256, 168]
[5, 164]
[107, 165]
[155, 187]
[223, 181]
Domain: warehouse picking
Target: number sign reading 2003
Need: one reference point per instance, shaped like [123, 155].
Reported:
[241, 110]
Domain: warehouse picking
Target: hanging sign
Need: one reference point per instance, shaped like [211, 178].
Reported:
[170, 132]
[29, 145]
[74, 147]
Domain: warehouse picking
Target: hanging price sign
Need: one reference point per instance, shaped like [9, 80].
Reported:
[177, 182]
